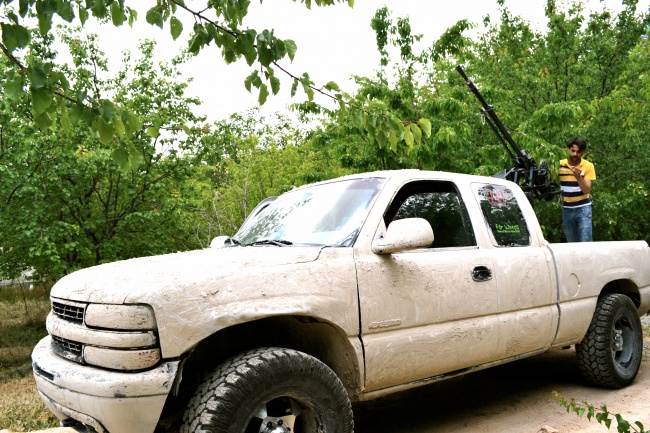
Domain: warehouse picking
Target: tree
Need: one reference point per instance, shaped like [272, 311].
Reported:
[65, 202]
[584, 75]
[564, 82]
[218, 22]
[249, 159]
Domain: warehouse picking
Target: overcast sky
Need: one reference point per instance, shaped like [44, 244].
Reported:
[334, 42]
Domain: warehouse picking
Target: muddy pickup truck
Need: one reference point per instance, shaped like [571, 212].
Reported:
[337, 292]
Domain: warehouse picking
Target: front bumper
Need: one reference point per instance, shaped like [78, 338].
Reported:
[108, 401]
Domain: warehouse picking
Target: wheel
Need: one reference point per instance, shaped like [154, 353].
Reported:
[610, 354]
[270, 390]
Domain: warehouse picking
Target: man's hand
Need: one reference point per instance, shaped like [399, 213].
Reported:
[585, 185]
[577, 172]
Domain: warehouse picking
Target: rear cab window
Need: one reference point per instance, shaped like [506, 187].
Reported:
[503, 217]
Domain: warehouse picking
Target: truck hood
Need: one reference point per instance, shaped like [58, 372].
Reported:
[137, 280]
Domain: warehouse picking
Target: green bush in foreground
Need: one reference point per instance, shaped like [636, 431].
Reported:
[600, 414]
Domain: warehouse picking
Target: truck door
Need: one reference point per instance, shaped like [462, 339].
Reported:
[523, 270]
[432, 310]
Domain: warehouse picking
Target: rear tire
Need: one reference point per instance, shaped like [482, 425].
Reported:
[270, 389]
[610, 354]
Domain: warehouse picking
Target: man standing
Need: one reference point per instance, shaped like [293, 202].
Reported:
[576, 175]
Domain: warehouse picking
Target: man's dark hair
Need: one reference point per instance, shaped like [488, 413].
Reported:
[578, 141]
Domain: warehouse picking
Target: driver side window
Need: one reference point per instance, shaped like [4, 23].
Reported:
[440, 204]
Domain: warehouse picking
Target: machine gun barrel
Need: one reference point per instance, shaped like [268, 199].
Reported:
[537, 178]
[520, 158]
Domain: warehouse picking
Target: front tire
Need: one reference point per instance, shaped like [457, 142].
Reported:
[270, 390]
[610, 354]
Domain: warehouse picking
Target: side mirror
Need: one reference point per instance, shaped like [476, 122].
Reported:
[403, 235]
[219, 242]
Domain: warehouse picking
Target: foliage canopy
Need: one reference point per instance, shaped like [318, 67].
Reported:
[95, 170]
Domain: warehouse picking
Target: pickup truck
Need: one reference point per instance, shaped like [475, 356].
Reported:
[337, 292]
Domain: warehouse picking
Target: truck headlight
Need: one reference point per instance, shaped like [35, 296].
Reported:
[124, 317]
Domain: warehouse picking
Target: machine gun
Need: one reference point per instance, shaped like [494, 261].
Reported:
[534, 179]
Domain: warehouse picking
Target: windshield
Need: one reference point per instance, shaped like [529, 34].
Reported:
[326, 214]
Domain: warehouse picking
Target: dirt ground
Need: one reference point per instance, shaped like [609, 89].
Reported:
[512, 398]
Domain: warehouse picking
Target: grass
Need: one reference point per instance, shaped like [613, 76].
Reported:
[22, 324]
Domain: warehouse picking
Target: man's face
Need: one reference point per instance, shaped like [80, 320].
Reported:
[575, 155]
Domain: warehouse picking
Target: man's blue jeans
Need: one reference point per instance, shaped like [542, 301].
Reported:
[576, 223]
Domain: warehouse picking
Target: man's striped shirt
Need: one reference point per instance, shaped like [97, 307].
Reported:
[572, 195]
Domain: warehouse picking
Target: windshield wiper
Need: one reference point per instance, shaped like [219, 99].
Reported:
[232, 241]
[276, 242]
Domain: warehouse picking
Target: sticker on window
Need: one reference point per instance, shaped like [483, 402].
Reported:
[503, 215]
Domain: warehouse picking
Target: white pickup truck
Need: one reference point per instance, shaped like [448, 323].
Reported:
[337, 292]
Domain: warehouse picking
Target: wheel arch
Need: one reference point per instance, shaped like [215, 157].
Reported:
[310, 335]
[623, 286]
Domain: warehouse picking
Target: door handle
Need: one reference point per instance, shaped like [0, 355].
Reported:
[481, 273]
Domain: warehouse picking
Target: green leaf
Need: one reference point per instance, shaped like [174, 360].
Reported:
[176, 27]
[77, 113]
[332, 86]
[425, 125]
[264, 93]
[248, 82]
[99, 8]
[131, 123]
[198, 40]
[154, 17]
[275, 85]
[417, 133]
[121, 157]
[245, 45]
[294, 88]
[135, 157]
[279, 49]
[43, 120]
[83, 15]
[14, 87]
[15, 36]
[153, 132]
[119, 126]
[64, 118]
[65, 11]
[229, 55]
[394, 139]
[107, 109]
[291, 48]
[117, 14]
[306, 86]
[60, 78]
[105, 130]
[265, 55]
[44, 22]
[23, 7]
[8, 36]
[357, 119]
[133, 16]
[623, 426]
[37, 76]
[41, 99]
[408, 137]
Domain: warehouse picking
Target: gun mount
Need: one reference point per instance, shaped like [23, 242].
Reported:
[533, 178]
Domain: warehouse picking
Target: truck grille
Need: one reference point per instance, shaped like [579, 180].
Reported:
[69, 312]
[68, 349]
